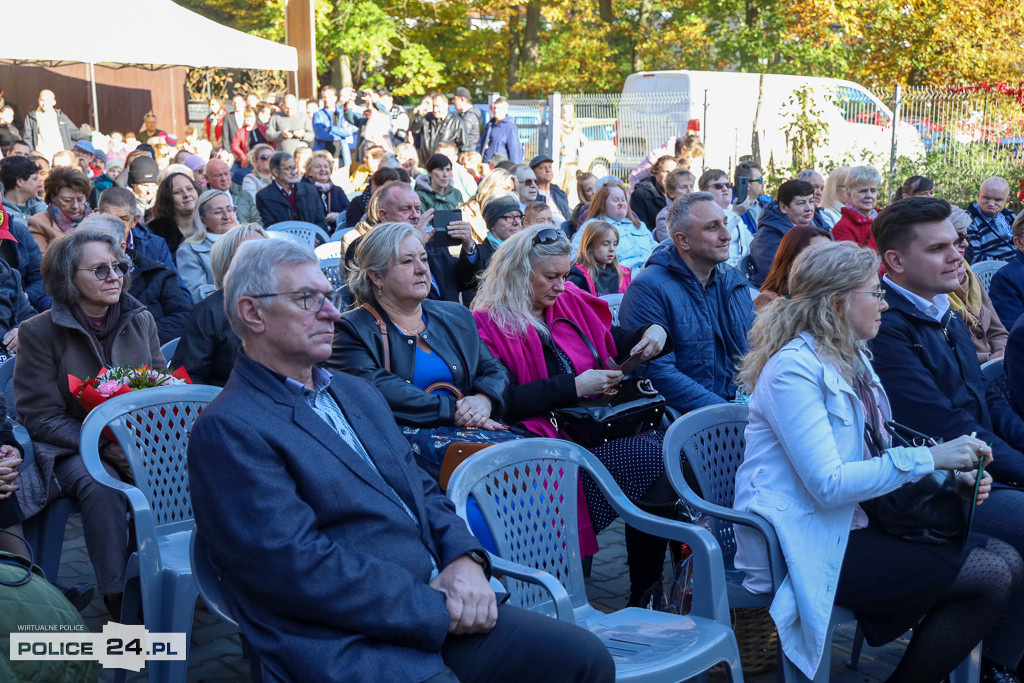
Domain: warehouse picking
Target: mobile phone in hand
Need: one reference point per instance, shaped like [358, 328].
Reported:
[443, 217]
[741, 189]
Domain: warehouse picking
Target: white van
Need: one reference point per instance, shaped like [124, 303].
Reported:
[720, 106]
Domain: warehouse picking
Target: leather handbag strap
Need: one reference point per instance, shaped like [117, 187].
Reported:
[382, 326]
[444, 385]
[586, 340]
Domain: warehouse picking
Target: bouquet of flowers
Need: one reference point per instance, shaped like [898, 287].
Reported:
[120, 380]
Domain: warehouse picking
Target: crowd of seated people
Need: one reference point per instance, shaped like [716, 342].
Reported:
[475, 329]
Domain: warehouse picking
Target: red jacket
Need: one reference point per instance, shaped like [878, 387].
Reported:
[240, 145]
[854, 226]
[218, 131]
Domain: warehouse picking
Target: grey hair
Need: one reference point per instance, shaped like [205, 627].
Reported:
[376, 253]
[505, 291]
[225, 247]
[960, 219]
[198, 232]
[254, 271]
[105, 222]
[679, 213]
[64, 255]
[277, 159]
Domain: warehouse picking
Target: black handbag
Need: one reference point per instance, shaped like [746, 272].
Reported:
[631, 407]
[930, 510]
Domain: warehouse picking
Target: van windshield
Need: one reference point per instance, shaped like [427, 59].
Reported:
[857, 107]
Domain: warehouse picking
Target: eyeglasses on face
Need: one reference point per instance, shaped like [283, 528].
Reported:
[757, 180]
[72, 201]
[548, 236]
[221, 213]
[961, 239]
[877, 294]
[263, 157]
[513, 217]
[529, 182]
[103, 272]
[721, 186]
[311, 300]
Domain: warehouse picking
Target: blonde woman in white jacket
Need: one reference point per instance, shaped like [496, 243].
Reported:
[808, 465]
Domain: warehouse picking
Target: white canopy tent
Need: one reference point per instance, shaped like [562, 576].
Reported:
[185, 38]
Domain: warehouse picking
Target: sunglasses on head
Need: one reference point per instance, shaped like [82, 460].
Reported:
[548, 236]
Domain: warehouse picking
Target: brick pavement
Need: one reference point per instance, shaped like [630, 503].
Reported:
[215, 654]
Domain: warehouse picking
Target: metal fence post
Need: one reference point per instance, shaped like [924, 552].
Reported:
[555, 128]
[897, 101]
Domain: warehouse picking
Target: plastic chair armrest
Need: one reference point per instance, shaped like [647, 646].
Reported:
[560, 597]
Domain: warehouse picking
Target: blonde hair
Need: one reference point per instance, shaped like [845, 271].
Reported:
[224, 249]
[829, 198]
[862, 176]
[593, 234]
[490, 184]
[505, 290]
[198, 232]
[820, 284]
[600, 198]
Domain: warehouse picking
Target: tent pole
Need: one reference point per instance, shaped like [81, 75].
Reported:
[95, 105]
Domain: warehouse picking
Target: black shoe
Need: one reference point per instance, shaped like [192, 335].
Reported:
[994, 673]
[79, 595]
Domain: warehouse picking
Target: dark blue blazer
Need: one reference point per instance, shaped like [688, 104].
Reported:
[274, 208]
[1007, 291]
[1013, 364]
[323, 567]
[931, 373]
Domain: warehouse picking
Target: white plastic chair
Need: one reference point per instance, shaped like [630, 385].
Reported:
[308, 233]
[985, 270]
[614, 302]
[526, 492]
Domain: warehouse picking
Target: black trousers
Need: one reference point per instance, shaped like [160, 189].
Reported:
[526, 646]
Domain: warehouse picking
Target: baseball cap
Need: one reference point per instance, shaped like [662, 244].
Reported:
[85, 146]
[539, 159]
[143, 170]
[463, 92]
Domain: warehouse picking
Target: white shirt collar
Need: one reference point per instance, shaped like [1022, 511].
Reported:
[934, 308]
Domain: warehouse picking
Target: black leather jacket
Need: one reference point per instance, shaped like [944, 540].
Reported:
[451, 332]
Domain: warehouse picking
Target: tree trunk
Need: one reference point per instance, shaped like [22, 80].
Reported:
[643, 30]
[604, 9]
[755, 138]
[531, 38]
[343, 74]
[751, 18]
[513, 49]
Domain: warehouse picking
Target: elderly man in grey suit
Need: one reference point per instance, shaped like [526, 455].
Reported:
[340, 558]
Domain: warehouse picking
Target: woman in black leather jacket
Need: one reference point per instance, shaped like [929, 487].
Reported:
[427, 343]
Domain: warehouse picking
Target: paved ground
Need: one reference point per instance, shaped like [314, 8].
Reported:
[215, 655]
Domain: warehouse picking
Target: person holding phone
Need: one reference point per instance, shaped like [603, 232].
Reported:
[817, 447]
[717, 183]
[521, 309]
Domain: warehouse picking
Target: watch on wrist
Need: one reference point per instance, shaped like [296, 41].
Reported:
[480, 559]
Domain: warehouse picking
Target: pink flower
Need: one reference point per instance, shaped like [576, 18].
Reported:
[109, 388]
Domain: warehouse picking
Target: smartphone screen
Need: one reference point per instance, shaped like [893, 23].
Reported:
[445, 216]
[741, 189]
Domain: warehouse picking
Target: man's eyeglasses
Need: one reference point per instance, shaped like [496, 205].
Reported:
[311, 300]
[529, 182]
[721, 186]
[513, 217]
[103, 272]
[548, 236]
[877, 294]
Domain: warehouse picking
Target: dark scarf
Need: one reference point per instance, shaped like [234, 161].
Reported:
[101, 333]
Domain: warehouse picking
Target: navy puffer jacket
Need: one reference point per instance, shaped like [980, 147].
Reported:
[708, 327]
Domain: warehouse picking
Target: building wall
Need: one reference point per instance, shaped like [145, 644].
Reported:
[124, 95]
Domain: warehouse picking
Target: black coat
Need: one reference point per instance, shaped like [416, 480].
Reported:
[335, 200]
[274, 208]
[156, 286]
[485, 252]
[452, 274]
[14, 306]
[451, 332]
[647, 201]
[69, 132]
[208, 348]
[931, 373]
[430, 131]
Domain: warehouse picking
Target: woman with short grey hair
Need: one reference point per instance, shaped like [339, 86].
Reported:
[440, 381]
[214, 216]
[94, 323]
[207, 347]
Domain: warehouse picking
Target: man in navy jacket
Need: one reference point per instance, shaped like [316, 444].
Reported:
[705, 305]
[286, 199]
[340, 558]
[501, 135]
[1007, 287]
[926, 360]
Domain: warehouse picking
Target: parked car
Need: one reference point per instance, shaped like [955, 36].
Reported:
[597, 154]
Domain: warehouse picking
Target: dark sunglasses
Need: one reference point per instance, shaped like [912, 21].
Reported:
[548, 236]
[264, 157]
[103, 272]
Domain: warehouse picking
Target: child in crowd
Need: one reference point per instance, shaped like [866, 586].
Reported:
[679, 183]
[473, 162]
[537, 213]
[597, 268]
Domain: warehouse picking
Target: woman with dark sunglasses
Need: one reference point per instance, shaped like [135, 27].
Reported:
[521, 309]
[94, 323]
